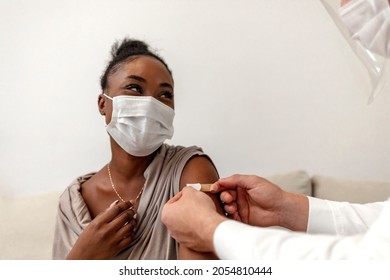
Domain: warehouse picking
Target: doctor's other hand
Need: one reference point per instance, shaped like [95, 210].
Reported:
[191, 219]
[258, 202]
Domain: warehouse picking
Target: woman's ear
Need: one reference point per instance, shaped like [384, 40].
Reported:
[102, 104]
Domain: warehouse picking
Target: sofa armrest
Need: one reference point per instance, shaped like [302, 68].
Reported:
[295, 181]
[27, 226]
[354, 191]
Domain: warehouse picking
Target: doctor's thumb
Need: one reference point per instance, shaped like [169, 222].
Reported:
[175, 198]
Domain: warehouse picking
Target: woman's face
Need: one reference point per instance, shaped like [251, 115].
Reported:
[140, 76]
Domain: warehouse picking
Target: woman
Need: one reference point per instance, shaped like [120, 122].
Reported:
[96, 219]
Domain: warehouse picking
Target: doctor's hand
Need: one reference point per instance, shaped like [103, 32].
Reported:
[191, 219]
[256, 201]
[107, 235]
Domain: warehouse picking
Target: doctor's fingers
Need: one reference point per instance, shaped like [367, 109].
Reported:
[228, 196]
[230, 208]
[236, 216]
[191, 196]
[242, 203]
[238, 181]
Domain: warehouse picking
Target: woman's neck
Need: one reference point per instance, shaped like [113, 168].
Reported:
[127, 166]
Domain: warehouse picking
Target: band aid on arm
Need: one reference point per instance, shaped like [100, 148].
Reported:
[203, 187]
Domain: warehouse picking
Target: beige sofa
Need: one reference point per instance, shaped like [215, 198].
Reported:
[27, 223]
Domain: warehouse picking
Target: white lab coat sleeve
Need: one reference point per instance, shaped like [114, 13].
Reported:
[234, 240]
[369, 22]
[343, 218]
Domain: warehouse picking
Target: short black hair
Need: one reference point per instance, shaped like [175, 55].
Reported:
[122, 51]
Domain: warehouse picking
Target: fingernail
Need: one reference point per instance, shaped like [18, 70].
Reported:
[213, 187]
[115, 202]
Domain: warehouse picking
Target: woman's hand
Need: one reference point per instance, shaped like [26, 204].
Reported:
[108, 234]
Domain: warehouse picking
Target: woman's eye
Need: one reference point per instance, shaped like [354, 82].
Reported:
[135, 88]
[167, 94]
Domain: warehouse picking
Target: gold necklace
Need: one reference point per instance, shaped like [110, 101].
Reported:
[113, 186]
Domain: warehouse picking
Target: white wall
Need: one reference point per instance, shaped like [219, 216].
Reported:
[264, 86]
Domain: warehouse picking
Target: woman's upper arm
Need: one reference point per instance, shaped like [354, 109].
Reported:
[199, 169]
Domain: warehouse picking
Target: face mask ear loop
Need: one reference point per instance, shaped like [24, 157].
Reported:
[109, 97]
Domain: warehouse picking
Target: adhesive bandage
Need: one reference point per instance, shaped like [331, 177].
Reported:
[203, 187]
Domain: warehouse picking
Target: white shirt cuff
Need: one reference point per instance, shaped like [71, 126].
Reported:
[321, 217]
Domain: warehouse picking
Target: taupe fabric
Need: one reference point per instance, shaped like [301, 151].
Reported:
[152, 240]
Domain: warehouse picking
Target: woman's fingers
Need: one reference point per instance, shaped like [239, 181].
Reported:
[114, 211]
[126, 230]
[123, 219]
[125, 241]
[125, 235]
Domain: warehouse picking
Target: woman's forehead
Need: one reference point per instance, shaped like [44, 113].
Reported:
[144, 65]
[150, 69]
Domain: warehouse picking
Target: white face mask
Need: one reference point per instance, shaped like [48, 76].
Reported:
[140, 124]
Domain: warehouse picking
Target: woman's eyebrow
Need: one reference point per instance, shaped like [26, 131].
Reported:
[166, 85]
[135, 77]
[138, 78]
